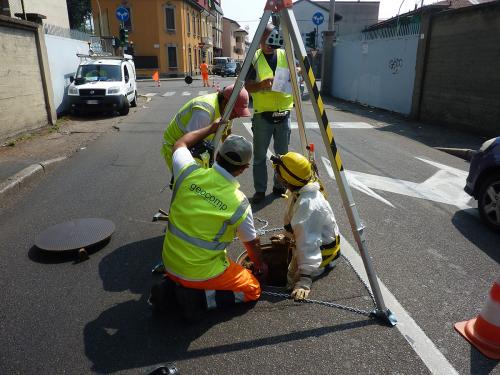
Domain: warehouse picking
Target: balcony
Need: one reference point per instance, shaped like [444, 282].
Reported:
[207, 41]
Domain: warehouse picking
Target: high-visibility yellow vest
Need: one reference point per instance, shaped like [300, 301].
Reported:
[205, 212]
[269, 101]
[177, 127]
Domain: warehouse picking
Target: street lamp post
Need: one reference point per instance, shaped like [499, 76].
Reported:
[329, 39]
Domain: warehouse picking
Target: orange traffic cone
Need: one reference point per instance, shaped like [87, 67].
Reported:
[484, 331]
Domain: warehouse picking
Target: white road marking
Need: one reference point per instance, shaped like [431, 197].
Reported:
[186, 93]
[336, 125]
[445, 186]
[169, 93]
[435, 361]
[150, 94]
[203, 92]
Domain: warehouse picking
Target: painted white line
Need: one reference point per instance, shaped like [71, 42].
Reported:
[186, 93]
[435, 361]
[203, 92]
[336, 125]
[150, 94]
[169, 93]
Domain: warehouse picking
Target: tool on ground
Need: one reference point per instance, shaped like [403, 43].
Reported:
[161, 215]
[282, 14]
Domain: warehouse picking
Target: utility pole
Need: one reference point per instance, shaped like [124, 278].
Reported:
[329, 40]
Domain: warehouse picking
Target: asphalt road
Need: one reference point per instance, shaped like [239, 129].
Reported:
[429, 250]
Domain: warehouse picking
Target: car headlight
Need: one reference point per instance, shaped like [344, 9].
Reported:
[72, 90]
[114, 90]
[486, 145]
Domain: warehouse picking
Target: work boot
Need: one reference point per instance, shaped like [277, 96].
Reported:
[258, 197]
[279, 191]
[192, 303]
[162, 296]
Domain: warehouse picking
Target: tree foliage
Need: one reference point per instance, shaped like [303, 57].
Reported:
[79, 12]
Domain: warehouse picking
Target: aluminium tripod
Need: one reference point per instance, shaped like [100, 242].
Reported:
[282, 10]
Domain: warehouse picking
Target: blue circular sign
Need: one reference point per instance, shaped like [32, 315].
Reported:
[122, 14]
[318, 18]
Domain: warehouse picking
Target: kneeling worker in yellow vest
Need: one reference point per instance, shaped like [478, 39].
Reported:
[207, 210]
[200, 112]
[309, 218]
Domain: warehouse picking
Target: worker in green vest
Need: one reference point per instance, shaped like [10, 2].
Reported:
[200, 112]
[268, 81]
[207, 210]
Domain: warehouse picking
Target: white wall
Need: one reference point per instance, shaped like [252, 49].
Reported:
[63, 63]
[379, 73]
[56, 11]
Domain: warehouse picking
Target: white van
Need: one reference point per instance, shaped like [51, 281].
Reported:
[220, 63]
[103, 83]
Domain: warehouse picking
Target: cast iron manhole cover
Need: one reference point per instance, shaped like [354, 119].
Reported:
[75, 234]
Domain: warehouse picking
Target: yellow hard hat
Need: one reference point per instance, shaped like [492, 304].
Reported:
[293, 167]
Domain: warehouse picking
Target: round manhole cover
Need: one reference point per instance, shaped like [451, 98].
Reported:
[75, 234]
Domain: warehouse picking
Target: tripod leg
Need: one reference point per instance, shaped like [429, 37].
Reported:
[357, 227]
[297, 98]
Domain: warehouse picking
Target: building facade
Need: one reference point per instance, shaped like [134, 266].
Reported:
[171, 36]
[233, 40]
[56, 11]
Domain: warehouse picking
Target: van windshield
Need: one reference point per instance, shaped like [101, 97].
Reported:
[98, 72]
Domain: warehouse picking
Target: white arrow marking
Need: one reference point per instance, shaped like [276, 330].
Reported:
[445, 186]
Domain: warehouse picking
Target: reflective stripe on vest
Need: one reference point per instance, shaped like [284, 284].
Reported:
[270, 101]
[207, 245]
[234, 219]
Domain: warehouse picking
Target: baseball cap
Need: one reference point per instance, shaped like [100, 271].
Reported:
[240, 108]
[236, 150]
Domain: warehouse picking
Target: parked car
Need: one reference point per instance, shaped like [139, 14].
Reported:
[103, 84]
[483, 182]
[219, 64]
[231, 69]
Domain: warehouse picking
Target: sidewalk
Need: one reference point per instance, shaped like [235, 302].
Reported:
[29, 156]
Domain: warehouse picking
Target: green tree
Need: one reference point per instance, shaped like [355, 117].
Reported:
[80, 14]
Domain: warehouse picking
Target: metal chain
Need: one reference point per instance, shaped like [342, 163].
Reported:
[262, 231]
[368, 289]
[324, 303]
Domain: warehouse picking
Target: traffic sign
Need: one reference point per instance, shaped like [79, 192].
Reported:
[122, 14]
[318, 18]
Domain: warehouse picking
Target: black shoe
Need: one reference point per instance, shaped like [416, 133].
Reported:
[162, 295]
[258, 197]
[279, 192]
[192, 303]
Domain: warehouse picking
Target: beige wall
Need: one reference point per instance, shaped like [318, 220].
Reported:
[56, 11]
[22, 102]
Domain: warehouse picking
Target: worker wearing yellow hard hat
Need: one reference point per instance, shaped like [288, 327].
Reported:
[310, 219]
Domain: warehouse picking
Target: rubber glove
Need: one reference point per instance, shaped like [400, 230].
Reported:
[302, 288]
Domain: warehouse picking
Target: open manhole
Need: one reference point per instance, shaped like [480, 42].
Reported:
[75, 235]
[277, 255]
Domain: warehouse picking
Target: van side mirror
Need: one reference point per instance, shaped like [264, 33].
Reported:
[126, 79]
[72, 79]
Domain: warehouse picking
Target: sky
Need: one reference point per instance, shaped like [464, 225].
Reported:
[248, 12]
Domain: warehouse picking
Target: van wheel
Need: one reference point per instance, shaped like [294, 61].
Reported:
[126, 107]
[133, 103]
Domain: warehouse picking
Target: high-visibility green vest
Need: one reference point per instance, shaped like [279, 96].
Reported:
[267, 100]
[177, 127]
[206, 208]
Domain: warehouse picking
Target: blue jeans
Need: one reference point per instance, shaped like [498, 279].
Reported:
[263, 130]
